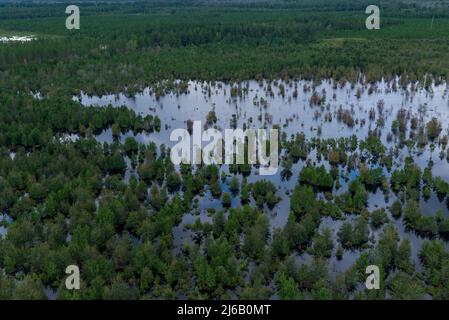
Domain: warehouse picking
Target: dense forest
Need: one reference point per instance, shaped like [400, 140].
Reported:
[115, 49]
[70, 201]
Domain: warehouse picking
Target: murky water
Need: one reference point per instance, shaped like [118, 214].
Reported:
[264, 104]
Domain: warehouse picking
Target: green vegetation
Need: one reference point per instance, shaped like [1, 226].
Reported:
[215, 43]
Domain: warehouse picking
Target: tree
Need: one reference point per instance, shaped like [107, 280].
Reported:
[158, 197]
[157, 123]
[435, 260]
[173, 182]
[226, 200]
[371, 178]
[264, 192]
[340, 252]
[255, 238]
[443, 228]
[316, 177]
[245, 194]
[354, 237]
[302, 199]
[119, 290]
[131, 146]
[412, 213]
[6, 286]
[116, 130]
[234, 185]
[205, 275]
[403, 287]
[288, 289]
[355, 200]
[403, 256]
[323, 244]
[255, 291]
[396, 209]
[378, 218]
[433, 128]
[115, 163]
[30, 288]
[279, 245]
[215, 189]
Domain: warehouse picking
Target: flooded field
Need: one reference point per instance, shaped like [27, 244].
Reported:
[6, 39]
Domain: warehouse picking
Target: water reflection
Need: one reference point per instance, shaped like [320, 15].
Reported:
[263, 104]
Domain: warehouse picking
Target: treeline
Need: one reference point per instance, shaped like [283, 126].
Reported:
[115, 209]
[28, 122]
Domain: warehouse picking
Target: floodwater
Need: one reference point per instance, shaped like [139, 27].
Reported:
[4, 221]
[6, 39]
[260, 107]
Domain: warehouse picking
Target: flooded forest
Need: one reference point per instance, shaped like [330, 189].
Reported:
[86, 177]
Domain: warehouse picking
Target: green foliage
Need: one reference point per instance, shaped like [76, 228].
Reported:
[234, 185]
[30, 288]
[288, 289]
[435, 259]
[372, 178]
[433, 128]
[226, 200]
[378, 218]
[396, 209]
[407, 179]
[256, 238]
[67, 199]
[323, 244]
[355, 200]
[264, 192]
[356, 236]
[415, 220]
[316, 177]
[131, 146]
[403, 287]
